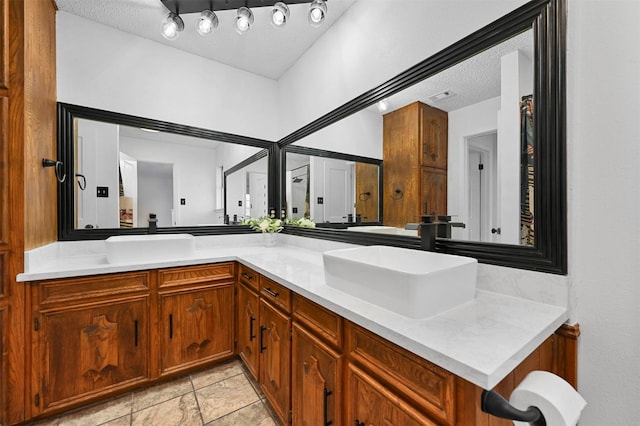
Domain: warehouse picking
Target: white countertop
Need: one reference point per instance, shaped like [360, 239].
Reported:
[481, 341]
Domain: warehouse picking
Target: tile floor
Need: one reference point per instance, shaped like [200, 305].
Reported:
[221, 396]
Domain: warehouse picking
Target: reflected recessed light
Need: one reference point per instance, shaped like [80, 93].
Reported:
[149, 130]
[383, 105]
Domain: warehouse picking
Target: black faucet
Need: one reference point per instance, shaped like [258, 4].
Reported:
[428, 233]
[153, 224]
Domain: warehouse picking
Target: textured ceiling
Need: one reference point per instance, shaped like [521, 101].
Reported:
[264, 51]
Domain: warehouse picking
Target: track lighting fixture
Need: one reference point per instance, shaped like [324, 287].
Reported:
[279, 15]
[317, 12]
[207, 23]
[172, 25]
[244, 20]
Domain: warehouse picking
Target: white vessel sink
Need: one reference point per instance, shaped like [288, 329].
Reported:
[413, 283]
[149, 248]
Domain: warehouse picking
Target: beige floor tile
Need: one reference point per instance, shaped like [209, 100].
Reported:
[255, 415]
[122, 421]
[154, 395]
[216, 374]
[225, 397]
[180, 411]
[99, 414]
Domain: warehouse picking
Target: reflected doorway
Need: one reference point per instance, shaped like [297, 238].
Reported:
[482, 187]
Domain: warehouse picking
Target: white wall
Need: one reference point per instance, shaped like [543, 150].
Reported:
[101, 67]
[603, 106]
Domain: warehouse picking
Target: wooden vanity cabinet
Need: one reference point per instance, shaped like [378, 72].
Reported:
[274, 337]
[90, 336]
[316, 367]
[248, 328]
[196, 315]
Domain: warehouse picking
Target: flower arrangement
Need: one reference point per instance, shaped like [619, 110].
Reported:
[264, 224]
[301, 222]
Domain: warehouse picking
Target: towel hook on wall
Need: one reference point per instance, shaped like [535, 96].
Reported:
[59, 168]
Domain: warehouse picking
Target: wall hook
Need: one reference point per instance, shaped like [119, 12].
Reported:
[82, 181]
[59, 168]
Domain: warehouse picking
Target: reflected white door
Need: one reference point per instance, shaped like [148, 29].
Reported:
[129, 175]
[482, 187]
[257, 194]
[338, 190]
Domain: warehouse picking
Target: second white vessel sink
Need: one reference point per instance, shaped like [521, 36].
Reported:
[149, 248]
[413, 283]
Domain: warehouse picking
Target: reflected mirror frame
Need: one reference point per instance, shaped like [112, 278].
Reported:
[236, 168]
[296, 149]
[67, 113]
[549, 253]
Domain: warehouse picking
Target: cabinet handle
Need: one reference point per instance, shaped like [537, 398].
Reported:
[270, 292]
[262, 347]
[251, 336]
[327, 393]
[247, 276]
[170, 326]
[357, 423]
[135, 332]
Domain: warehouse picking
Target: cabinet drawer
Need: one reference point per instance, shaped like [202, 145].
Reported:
[175, 277]
[85, 289]
[276, 294]
[419, 381]
[248, 276]
[321, 321]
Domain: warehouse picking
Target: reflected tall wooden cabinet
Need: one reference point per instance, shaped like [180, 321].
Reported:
[415, 144]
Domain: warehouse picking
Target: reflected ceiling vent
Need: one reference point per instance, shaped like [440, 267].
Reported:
[441, 96]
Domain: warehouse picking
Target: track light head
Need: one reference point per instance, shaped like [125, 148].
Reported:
[207, 23]
[317, 12]
[171, 26]
[244, 20]
[279, 15]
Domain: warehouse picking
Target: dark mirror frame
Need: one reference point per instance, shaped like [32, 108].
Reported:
[294, 149]
[546, 17]
[66, 115]
[549, 254]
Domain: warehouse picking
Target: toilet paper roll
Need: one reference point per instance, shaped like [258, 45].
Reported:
[559, 402]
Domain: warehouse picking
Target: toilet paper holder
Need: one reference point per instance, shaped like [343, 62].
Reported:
[493, 403]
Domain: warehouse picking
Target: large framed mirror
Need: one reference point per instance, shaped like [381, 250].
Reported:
[122, 169]
[475, 134]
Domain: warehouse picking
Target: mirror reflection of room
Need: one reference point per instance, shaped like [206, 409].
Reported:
[125, 174]
[247, 191]
[331, 191]
[458, 145]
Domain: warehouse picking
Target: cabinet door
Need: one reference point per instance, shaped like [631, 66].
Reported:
[248, 328]
[371, 404]
[92, 349]
[434, 191]
[434, 135]
[275, 359]
[197, 326]
[315, 390]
